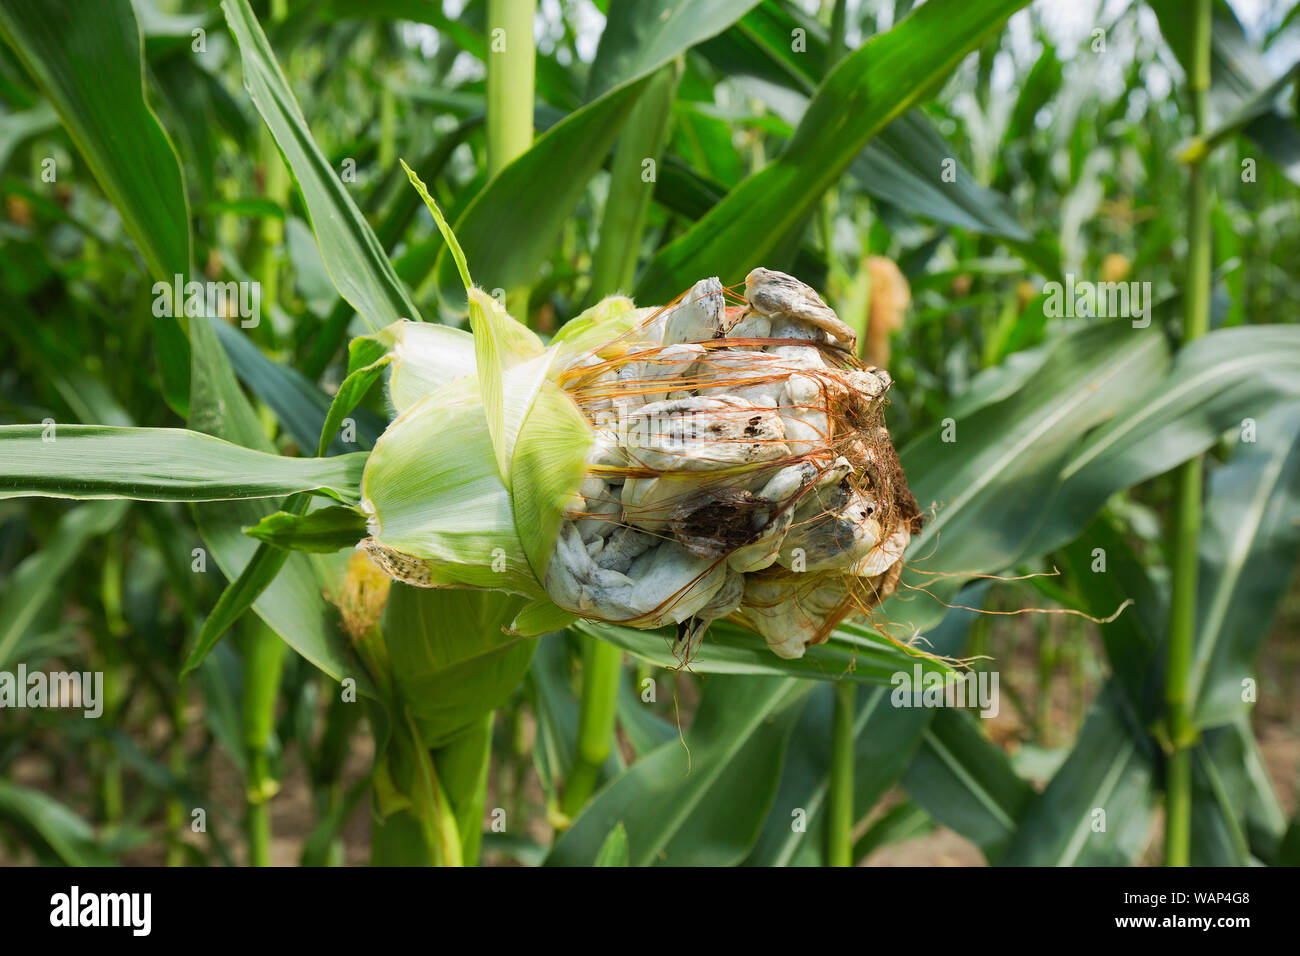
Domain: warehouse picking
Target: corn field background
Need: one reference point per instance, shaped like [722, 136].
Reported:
[1069, 230]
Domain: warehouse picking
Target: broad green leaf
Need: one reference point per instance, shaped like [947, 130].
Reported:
[902, 165]
[868, 89]
[1096, 811]
[510, 228]
[614, 851]
[91, 68]
[991, 484]
[353, 256]
[886, 738]
[966, 782]
[33, 582]
[58, 830]
[158, 464]
[1249, 544]
[1213, 384]
[852, 653]
[702, 803]
[641, 37]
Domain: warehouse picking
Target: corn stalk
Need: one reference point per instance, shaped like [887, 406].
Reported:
[1187, 514]
[511, 56]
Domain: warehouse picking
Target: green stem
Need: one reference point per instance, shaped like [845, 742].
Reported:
[839, 805]
[387, 127]
[262, 665]
[511, 56]
[1187, 514]
[837, 45]
[437, 821]
[116, 628]
[613, 265]
[176, 762]
[257, 823]
[602, 665]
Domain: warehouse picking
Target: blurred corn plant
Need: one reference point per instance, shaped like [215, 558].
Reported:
[221, 288]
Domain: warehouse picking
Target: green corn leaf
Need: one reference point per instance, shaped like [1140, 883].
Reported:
[60, 832]
[353, 256]
[614, 851]
[323, 531]
[711, 814]
[886, 738]
[1249, 545]
[32, 583]
[901, 166]
[1213, 384]
[639, 39]
[1097, 808]
[158, 464]
[852, 653]
[869, 88]
[991, 484]
[967, 783]
[91, 68]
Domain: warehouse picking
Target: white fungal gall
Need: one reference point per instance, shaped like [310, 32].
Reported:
[754, 473]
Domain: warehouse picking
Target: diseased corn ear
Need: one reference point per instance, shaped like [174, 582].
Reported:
[740, 468]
